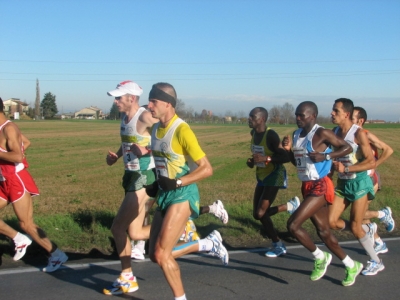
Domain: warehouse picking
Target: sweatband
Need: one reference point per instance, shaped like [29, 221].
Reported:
[158, 94]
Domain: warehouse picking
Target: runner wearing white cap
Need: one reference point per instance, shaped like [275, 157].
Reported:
[139, 164]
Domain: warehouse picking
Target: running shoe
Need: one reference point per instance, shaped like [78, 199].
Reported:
[276, 250]
[372, 230]
[190, 233]
[352, 273]
[20, 248]
[387, 219]
[373, 267]
[295, 201]
[122, 286]
[219, 211]
[55, 261]
[320, 266]
[380, 248]
[137, 253]
[218, 249]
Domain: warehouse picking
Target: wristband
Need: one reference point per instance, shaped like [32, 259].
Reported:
[268, 160]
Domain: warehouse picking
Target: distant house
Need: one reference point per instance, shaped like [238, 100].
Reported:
[90, 113]
[375, 121]
[14, 105]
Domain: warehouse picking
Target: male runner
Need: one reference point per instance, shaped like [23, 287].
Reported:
[384, 214]
[180, 163]
[17, 187]
[268, 156]
[354, 186]
[139, 165]
[312, 155]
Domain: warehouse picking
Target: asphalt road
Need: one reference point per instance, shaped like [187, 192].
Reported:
[249, 275]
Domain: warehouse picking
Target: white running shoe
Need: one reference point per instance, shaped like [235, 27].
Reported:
[295, 201]
[218, 249]
[121, 286]
[55, 261]
[20, 248]
[220, 212]
[137, 253]
[373, 267]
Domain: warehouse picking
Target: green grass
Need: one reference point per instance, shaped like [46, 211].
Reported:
[80, 194]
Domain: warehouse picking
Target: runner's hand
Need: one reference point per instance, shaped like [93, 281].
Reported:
[250, 163]
[166, 184]
[152, 189]
[287, 143]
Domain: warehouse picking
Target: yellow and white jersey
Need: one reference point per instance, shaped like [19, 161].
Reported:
[175, 148]
[130, 136]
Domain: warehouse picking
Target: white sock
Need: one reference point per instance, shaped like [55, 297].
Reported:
[128, 275]
[379, 241]
[140, 245]
[381, 214]
[183, 297]
[348, 262]
[289, 206]
[318, 254]
[205, 245]
[212, 208]
[18, 238]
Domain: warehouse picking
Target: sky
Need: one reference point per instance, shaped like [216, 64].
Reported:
[226, 56]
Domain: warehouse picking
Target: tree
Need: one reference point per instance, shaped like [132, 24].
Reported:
[49, 105]
[287, 112]
[180, 108]
[114, 112]
[274, 114]
[37, 101]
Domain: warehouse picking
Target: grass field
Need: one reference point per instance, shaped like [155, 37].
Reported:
[80, 194]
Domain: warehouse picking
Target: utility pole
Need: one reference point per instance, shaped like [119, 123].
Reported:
[37, 101]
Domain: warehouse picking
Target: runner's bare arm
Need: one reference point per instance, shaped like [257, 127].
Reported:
[13, 144]
[387, 151]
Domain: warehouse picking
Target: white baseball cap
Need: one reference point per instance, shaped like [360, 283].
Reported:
[126, 87]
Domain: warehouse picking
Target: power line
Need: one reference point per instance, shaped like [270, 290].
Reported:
[230, 78]
[200, 63]
[193, 74]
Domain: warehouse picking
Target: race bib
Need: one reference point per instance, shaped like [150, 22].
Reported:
[256, 149]
[345, 160]
[161, 166]
[131, 161]
[300, 159]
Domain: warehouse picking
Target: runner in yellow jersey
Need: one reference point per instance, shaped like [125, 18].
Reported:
[180, 163]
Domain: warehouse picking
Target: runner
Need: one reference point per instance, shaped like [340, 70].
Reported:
[384, 214]
[354, 187]
[312, 155]
[176, 152]
[18, 187]
[139, 172]
[268, 156]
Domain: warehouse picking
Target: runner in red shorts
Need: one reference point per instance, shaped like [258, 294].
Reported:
[17, 187]
[312, 155]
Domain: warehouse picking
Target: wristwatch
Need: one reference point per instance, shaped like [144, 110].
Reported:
[327, 156]
[268, 160]
[346, 169]
[178, 183]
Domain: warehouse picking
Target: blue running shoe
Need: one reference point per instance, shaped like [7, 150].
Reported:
[373, 268]
[276, 250]
[218, 249]
[381, 248]
[295, 201]
[387, 220]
